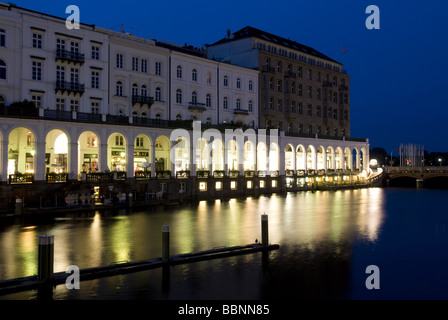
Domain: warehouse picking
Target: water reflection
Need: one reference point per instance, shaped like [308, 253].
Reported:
[315, 232]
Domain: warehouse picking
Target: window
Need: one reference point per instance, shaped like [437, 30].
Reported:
[271, 83]
[179, 72]
[238, 83]
[318, 111]
[293, 106]
[335, 113]
[178, 117]
[143, 91]
[310, 129]
[345, 115]
[95, 80]
[74, 46]
[310, 109]
[2, 38]
[135, 89]
[37, 40]
[134, 64]
[60, 44]
[225, 103]
[310, 92]
[194, 97]
[251, 85]
[330, 112]
[300, 92]
[139, 142]
[37, 100]
[226, 81]
[300, 128]
[95, 107]
[119, 140]
[299, 72]
[144, 66]
[60, 74]
[300, 109]
[279, 66]
[194, 75]
[119, 89]
[60, 104]
[250, 106]
[158, 68]
[37, 70]
[318, 93]
[2, 70]
[158, 94]
[238, 104]
[319, 130]
[271, 103]
[293, 87]
[208, 100]
[178, 96]
[119, 61]
[279, 105]
[95, 53]
[279, 85]
[74, 104]
[74, 75]
[309, 74]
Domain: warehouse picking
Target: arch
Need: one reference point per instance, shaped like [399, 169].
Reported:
[182, 154]
[116, 152]
[57, 151]
[300, 157]
[232, 155]
[202, 154]
[330, 158]
[88, 152]
[262, 159]
[249, 156]
[162, 146]
[217, 154]
[338, 158]
[347, 159]
[320, 165]
[21, 151]
[311, 158]
[142, 152]
[289, 157]
[274, 156]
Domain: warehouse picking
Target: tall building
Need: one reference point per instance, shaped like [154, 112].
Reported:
[302, 91]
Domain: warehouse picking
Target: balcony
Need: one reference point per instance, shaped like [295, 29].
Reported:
[142, 100]
[240, 112]
[69, 87]
[69, 56]
[196, 106]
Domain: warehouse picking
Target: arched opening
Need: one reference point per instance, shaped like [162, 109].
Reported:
[320, 158]
[88, 152]
[249, 156]
[116, 152]
[339, 158]
[310, 155]
[218, 155]
[300, 158]
[347, 159]
[274, 157]
[21, 151]
[262, 160]
[330, 158]
[162, 153]
[181, 154]
[202, 155]
[142, 153]
[56, 152]
[289, 157]
[232, 155]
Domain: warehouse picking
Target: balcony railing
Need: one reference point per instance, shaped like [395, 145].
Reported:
[70, 87]
[142, 100]
[70, 56]
[142, 175]
[21, 178]
[196, 106]
[241, 112]
[56, 177]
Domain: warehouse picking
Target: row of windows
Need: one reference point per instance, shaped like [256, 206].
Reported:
[138, 64]
[300, 128]
[208, 101]
[135, 90]
[332, 112]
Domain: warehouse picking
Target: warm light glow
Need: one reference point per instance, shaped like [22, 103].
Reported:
[249, 184]
[218, 185]
[203, 186]
[233, 185]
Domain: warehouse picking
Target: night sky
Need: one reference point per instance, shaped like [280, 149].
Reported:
[399, 82]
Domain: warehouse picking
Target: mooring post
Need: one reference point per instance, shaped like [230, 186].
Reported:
[165, 242]
[130, 199]
[264, 230]
[19, 206]
[46, 257]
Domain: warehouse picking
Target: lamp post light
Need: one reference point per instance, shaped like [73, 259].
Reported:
[440, 161]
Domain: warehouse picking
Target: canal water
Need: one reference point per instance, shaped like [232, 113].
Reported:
[327, 240]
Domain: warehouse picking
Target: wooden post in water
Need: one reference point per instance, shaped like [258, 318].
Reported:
[264, 230]
[45, 257]
[165, 242]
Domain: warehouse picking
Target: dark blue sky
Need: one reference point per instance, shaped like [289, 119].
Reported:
[399, 74]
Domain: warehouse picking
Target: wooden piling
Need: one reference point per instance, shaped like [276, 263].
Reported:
[264, 230]
[45, 257]
[165, 242]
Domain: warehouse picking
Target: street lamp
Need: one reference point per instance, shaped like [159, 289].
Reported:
[440, 161]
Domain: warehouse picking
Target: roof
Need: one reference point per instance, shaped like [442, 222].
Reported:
[249, 32]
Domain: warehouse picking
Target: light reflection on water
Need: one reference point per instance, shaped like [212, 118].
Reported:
[320, 236]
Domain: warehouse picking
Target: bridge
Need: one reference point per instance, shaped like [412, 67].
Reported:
[433, 176]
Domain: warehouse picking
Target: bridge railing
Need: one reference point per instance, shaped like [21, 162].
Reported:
[427, 169]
